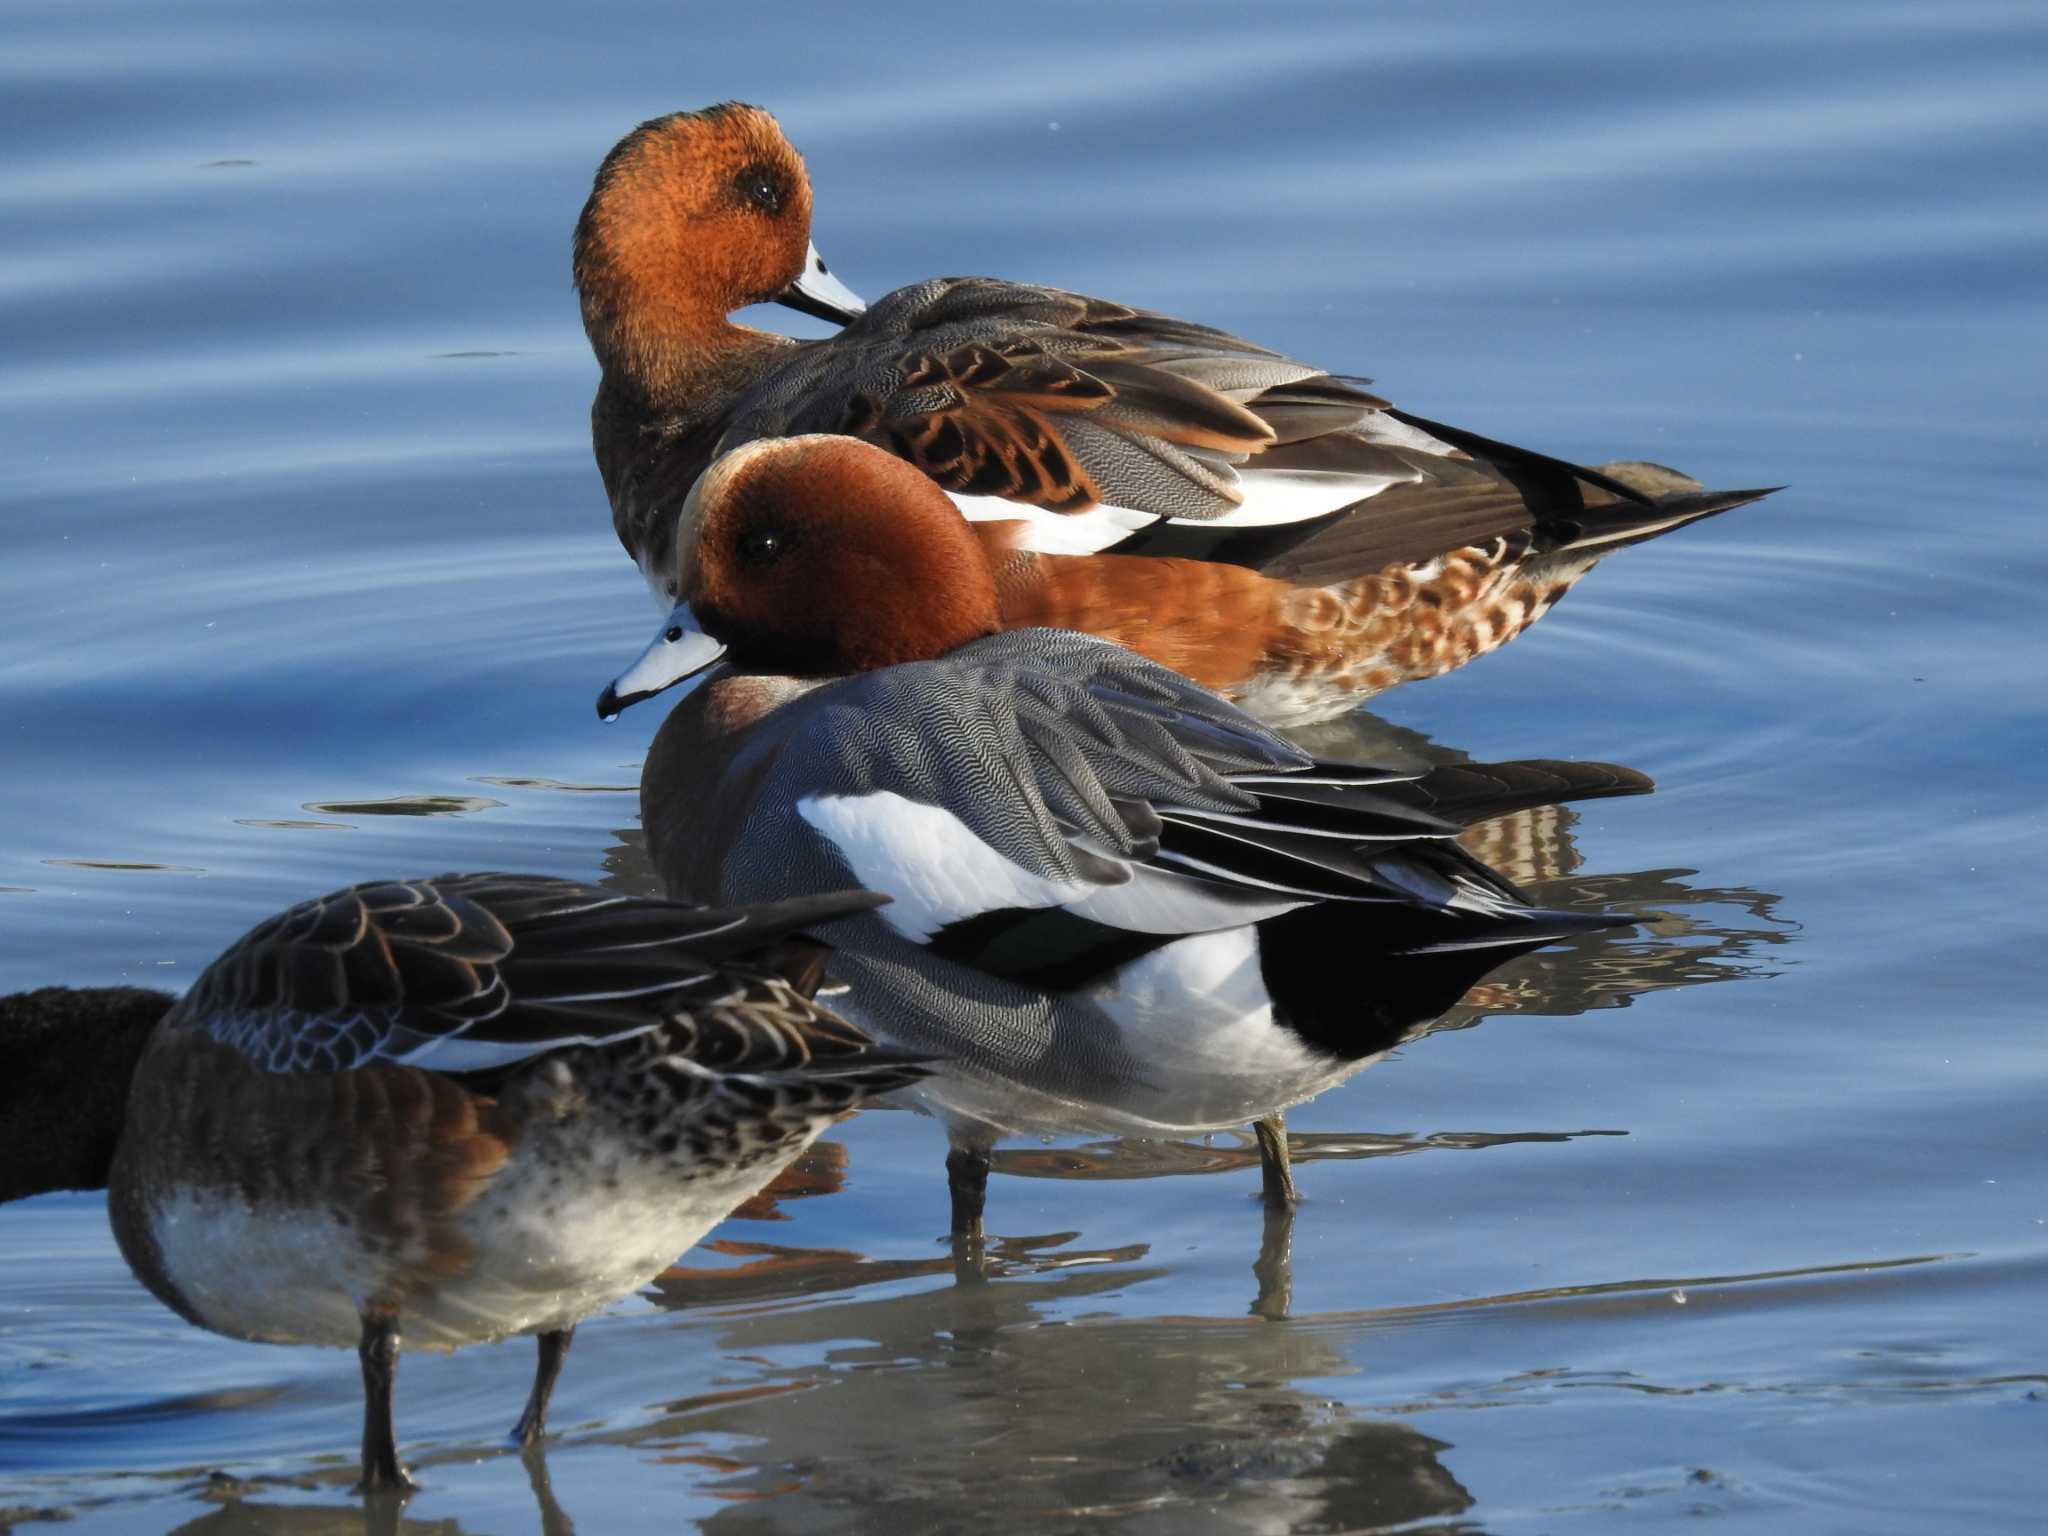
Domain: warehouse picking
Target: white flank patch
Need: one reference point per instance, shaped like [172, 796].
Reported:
[1198, 1009]
[1057, 533]
[936, 868]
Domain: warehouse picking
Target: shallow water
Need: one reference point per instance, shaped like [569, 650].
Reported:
[309, 579]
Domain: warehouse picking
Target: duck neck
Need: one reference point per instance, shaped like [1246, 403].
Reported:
[663, 342]
[67, 1056]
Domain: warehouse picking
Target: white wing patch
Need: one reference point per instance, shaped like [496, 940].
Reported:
[1271, 496]
[1057, 533]
[1297, 495]
[940, 872]
[937, 869]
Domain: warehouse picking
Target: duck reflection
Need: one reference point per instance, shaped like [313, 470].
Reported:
[240, 1509]
[1086, 1421]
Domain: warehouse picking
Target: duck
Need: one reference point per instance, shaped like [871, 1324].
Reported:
[1119, 904]
[426, 1113]
[1134, 462]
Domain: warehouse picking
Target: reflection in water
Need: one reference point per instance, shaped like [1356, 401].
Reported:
[407, 805]
[1676, 945]
[1091, 1418]
[124, 864]
[253, 1506]
[1151, 1422]
[1006, 1407]
[239, 1516]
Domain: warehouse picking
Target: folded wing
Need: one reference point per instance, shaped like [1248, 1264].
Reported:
[474, 972]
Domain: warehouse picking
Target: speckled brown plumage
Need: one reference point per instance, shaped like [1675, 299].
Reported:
[1288, 654]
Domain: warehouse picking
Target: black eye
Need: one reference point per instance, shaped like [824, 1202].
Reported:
[673, 633]
[763, 546]
[760, 187]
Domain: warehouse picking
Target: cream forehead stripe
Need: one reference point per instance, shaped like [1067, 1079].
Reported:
[708, 487]
[717, 481]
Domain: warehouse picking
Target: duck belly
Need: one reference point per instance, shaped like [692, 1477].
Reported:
[267, 1273]
[284, 1207]
[555, 1240]
[551, 1241]
[1180, 1041]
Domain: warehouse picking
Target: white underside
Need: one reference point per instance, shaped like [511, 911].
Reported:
[1198, 1014]
[548, 1250]
[1195, 1018]
[1194, 1014]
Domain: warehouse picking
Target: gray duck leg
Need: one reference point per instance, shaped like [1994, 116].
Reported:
[378, 1352]
[1276, 1174]
[967, 1182]
[554, 1349]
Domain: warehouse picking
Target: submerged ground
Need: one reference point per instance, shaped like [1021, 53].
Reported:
[309, 579]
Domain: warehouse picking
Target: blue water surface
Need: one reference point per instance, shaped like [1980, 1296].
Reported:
[309, 578]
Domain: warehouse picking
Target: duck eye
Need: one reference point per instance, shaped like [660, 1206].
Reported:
[757, 186]
[762, 546]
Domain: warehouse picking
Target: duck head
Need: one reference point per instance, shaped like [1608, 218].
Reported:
[691, 217]
[815, 557]
[67, 1056]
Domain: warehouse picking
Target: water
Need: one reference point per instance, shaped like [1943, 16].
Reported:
[309, 579]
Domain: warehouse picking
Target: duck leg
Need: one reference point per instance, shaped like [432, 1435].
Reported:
[967, 1181]
[1275, 1173]
[378, 1352]
[554, 1349]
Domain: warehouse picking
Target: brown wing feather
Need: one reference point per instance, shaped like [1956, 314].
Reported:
[1403, 525]
[1050, 398]
[518, 962]
[993, 418]
[979, 420]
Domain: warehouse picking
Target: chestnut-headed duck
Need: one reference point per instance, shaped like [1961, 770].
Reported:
[1286, 654]
[439, 1111]
[1091, 428]
[1120, 905]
